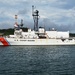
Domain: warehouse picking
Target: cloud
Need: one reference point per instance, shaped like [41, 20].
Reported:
[58, 12]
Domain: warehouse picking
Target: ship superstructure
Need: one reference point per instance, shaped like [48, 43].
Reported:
[38, 36]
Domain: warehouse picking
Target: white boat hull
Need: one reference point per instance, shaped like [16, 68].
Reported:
[15, 41]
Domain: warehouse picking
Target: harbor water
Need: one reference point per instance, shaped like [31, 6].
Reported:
[37, 60]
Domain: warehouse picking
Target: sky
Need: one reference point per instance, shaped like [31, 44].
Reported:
[58, 14]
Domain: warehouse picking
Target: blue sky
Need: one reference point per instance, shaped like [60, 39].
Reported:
[53, 13]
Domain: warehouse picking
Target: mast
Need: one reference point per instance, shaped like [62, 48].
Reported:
[21, 23]
[16, 24]
[35, 15]
[15, 19]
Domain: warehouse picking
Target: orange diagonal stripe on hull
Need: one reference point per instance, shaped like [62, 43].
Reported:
[4, 42]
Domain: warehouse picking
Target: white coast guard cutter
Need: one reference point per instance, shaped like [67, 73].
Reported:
[38, 36]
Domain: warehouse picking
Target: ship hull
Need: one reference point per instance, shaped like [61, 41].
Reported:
[15, 41]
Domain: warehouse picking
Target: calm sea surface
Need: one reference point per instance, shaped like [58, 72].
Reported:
[37, 60]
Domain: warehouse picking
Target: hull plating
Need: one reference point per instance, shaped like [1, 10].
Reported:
[14, 41]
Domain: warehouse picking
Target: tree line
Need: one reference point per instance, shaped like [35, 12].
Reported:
[10, 31]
